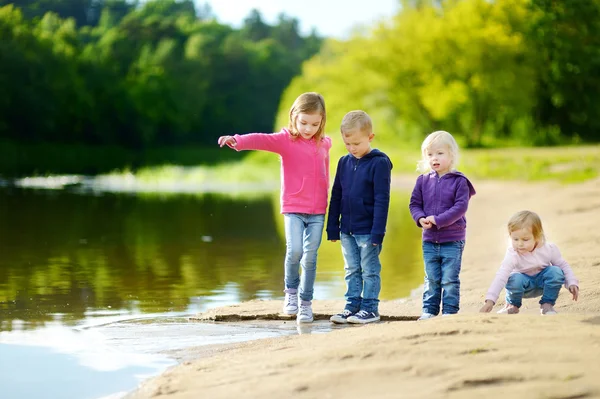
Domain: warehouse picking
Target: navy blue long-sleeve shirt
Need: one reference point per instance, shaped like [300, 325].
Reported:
[360, 196]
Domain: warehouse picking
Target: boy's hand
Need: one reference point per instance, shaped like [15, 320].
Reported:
[487, 307]
[575, 291]
[426, 224]
[229, 141]
[431, 219]
[333, 240]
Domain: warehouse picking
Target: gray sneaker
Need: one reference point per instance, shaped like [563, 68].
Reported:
[305, 315]
[426, 316]
[341, 318]
[290, 304]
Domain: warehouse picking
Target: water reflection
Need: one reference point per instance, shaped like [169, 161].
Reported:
[68, 257]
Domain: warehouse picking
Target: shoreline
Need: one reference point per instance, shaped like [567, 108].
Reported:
[470, 355]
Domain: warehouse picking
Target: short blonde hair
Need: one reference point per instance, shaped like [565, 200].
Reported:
[439, 137]
[527, 219]
[308, 103]
[354, 120]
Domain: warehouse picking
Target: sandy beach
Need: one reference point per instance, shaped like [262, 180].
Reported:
[470, 355]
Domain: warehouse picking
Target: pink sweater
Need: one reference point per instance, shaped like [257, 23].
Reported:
[531, 264]
[304, 168]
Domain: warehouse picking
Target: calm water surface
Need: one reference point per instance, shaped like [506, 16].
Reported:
[96, 287]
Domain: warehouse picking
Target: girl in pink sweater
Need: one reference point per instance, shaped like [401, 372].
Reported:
[304, 152]
[531, 267]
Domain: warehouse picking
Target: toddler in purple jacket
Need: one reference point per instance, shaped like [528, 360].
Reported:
[438, 204]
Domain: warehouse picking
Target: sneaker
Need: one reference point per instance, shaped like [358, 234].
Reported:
[305, 315]
[290, 304]
[508, 309]
[341, 318]
[546, 309]
[426, 316]
[363, 317]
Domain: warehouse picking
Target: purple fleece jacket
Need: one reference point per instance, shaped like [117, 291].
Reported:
[447, 199]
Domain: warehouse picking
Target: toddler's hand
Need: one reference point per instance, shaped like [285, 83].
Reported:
[431, 219]
[487, 307]
[575, 291]
[228, 141]
[333, 240]
[426, 224]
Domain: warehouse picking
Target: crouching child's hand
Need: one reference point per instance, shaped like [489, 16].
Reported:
[574, 290]
[487, 307]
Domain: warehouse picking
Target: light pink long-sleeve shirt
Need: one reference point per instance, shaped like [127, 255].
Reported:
[531, 264]
[304, 168]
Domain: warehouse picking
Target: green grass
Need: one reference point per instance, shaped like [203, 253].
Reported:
[209, 165]
[563, 164]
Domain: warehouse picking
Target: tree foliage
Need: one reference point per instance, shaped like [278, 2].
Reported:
[522, 71]
[141, 75]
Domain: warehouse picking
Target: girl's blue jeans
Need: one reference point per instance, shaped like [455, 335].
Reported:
[303, 234]
[363, 272]
[442, 267]
[546, 283]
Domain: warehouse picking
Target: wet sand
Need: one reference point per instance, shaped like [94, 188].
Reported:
[470, 355]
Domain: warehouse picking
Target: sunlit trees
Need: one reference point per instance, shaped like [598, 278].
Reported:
[142, 75]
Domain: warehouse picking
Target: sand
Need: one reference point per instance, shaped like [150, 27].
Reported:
[469, 355]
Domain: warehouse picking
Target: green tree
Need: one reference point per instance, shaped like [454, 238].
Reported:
[567, 36]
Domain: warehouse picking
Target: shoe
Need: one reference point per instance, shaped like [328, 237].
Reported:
[546, 309]
[363, 317]
[290, 304]
[426, 316]
[508, 309]
[305, 315]
[341, 318]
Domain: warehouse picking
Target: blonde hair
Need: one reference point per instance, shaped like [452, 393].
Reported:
[527, 219]
[439, 137]
[356, 119]
[308, 103]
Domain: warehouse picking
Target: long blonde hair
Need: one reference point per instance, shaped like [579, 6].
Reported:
[439, 137]
[528, 219]
[308, 103]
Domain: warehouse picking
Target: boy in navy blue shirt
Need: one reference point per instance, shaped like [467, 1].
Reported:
[358, 211]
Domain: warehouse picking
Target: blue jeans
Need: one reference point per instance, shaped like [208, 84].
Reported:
[303, 234]
[442, 267]
[546, 283]
[363, 272]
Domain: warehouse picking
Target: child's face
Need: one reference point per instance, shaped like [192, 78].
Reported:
[357, 143]
[308, 125]
[440, 159]
[522, 240]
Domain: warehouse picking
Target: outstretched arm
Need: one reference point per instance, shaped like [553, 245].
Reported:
[271, 142]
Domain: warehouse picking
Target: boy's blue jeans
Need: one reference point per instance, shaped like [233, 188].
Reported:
[363, 270]
[442, 267]
[303, 234]
[546, 283]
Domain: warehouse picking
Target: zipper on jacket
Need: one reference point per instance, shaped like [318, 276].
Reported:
[316, 177]
[353, 177]
[437, 202]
